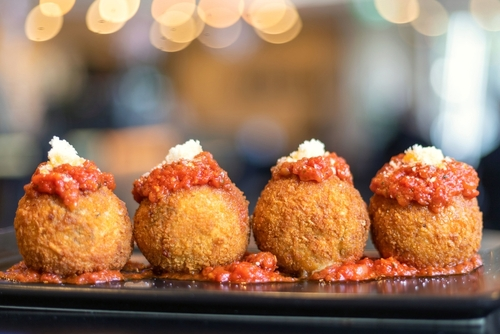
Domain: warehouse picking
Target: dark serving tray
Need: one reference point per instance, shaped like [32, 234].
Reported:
[469, 296]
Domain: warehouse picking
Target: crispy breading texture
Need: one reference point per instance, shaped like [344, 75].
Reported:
[310, 225]
[96, 235]
[193, 228]
[416, 236]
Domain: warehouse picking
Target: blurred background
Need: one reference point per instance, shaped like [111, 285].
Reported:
[125, 80]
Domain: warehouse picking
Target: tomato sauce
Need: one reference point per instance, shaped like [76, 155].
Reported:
[314, 169]
[68, 182]
[374, 269]
[427, 185]
[21, 273]
[253, 268]
[182, 174]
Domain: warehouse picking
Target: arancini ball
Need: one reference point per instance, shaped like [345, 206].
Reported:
[69, 221]
[309, 214]
[424, 210]
[190, 214]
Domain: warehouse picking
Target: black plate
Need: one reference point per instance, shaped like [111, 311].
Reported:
[467, 296]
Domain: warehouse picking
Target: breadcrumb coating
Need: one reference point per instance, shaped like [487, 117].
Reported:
[310, 225]
[96, 235]
[194, 228]
[419, 237]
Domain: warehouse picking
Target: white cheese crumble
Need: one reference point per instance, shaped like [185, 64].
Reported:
[308, 149]
[425, 155]
[186, 151]
[61, 153]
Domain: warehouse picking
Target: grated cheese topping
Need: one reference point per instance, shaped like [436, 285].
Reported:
[61, 153]
[308, 149]
[186, 151]
[425, 155]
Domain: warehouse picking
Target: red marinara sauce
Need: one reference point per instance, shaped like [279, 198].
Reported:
[21, 273]
[182, 174]
[427, 185]
[68, 181]
[253, 268]
[314, 169]
[374, 269]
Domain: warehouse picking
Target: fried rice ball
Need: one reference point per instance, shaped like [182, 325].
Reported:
[311, 221]
[192, 229]
[190, 223]
[424, 211]
[417, 236]
[69, 221]
[96, 235]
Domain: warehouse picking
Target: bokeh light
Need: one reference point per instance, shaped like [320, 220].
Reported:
[51, 9]
[286, 23]
[218, 38]
[177, 14]
[133, 7]
[56, 7]
[39, 27]
[486, 13]
[161, 42]
[215, 23]
[398, 11]
[220, 13]
[172, 13]
[186, 32]
[263, 14]
[96, 23]
[459, 128]
[432, 20]
[283, 37]
[114, 11]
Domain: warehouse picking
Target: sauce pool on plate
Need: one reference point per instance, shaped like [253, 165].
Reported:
[253, 268]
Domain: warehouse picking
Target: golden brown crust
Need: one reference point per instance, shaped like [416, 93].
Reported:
[193, 228]
[415, 235]
[96, 235]
[310, 225]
